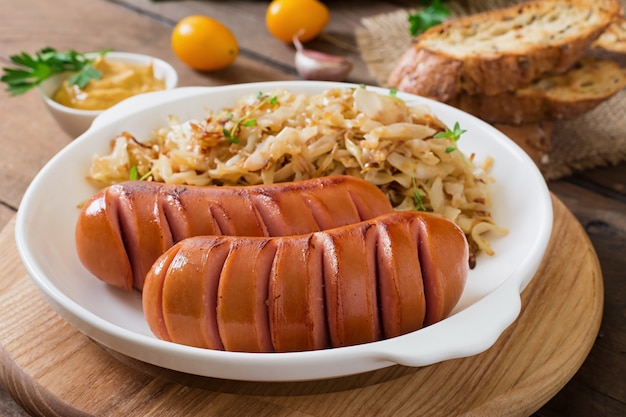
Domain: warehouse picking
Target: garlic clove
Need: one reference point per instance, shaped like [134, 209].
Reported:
[314, 65]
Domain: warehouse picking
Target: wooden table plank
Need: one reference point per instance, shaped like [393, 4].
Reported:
[246, 19]
[28, 140]
[610, 181]
[599, 387]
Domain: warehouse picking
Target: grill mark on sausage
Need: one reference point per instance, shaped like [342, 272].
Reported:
[173, 211]
[221, 218]
[361, 207]
[322, 338]
[242, 315]
[190, 293]
[349, 280]
[329, 274]
[402, 299]
[318, 210]
[259, 216]
[388, 292]
[212, 274]
[129, 229]
[317, 247]
[152, 299]
[115, 211]
[283, 213]
[371, 252]
[296, 302]
[153, 235]
[443, 279]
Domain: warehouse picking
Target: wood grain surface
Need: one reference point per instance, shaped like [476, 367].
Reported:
[54, 370]
[29, 137]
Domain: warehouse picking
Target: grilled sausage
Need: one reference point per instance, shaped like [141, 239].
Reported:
[124, 228]
[296, 290]
[354, 284]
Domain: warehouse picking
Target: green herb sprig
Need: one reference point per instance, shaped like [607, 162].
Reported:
[32, 70]
[435, 13]
[245, 120]
[134, 174]
[417, 197]
[454, 135]
[393, 93]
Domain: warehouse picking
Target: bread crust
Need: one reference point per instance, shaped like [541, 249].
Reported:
[613, 39]
[558, 97]
[501, 50]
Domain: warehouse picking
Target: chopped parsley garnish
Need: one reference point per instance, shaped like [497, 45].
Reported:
[417, 197]
[245, 120]
[435, 13]
[134, 174]
[33, 70]
[454, 135]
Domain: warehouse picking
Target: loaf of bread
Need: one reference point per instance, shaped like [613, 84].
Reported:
[501, 50]
[554, 97]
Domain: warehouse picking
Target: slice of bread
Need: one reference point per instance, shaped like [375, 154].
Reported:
[555, 97]
[501, 50]
[612, 43]
[613, 39]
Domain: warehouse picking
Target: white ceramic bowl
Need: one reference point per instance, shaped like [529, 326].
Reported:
[75, 121]
[489, 304]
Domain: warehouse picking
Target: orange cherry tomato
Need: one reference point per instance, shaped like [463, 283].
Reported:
[204, 43]
[303, 18]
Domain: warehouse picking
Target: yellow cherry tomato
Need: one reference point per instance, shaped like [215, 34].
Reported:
[204, 43]
[303, 18]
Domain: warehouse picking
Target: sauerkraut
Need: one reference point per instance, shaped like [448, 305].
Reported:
[280, 136]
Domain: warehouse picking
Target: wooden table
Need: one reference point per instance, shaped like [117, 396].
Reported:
[29, 138]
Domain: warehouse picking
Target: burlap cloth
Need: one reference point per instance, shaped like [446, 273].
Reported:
[597, 138]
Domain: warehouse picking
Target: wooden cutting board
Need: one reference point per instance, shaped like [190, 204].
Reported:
[54, 370]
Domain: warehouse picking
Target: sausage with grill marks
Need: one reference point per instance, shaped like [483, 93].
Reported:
[124, 228]
[296, 296]
[344, 286]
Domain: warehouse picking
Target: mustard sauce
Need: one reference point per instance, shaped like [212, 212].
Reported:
[118, 82]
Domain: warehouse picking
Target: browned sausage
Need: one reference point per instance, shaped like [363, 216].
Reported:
[242, 316]
[400, 278]
[444, 279]
[349, 270]
[348, 285]
[182, 310]
[296, 293]
[122, 229]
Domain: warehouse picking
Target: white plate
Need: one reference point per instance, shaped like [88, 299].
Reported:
[489, 304]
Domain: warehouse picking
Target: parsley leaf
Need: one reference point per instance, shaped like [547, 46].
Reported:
[434, 14]
[245, 120]
[83, 77]
[454, 135]
[32, 70]
[417, 197]
[134, 174]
